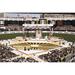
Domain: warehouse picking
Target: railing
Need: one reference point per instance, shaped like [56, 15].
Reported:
[12, 19]
[12, 32]
[37, 25]
[49, 18]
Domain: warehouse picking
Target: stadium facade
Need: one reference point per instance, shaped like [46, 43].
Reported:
[40, 43]
[14, 21]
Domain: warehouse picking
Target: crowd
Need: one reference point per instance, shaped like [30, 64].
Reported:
[31, 60]
[23, 59]
[64, 28]
[5, 53]
[14, 27]
[58, 55]
[52, 56]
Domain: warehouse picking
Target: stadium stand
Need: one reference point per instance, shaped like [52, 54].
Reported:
[58, 55]
[5, 53]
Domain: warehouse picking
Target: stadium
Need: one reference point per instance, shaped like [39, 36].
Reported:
[37, 37]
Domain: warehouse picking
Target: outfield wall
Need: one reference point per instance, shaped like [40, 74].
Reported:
[61, 32]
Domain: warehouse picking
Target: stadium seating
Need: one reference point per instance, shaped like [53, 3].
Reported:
[58, 55]
[65, 28]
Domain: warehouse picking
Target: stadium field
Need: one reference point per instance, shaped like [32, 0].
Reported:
[68, 37]
[10, 36]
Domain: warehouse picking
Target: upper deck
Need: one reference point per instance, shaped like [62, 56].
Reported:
[25, 16]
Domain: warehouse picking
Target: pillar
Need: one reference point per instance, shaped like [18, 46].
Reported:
[24, 32]
[38, 33]
[52, 31]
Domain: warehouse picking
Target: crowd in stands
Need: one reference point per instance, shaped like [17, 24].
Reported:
[5, 53]
[31, 60]
[59, 26]
[52, 56]
[11, 27]
[14, 27]
[55, 28]
[64, 28]
[58, 55]
[22, 59]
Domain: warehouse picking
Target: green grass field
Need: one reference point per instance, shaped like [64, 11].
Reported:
[10, 36]
[68, 37]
